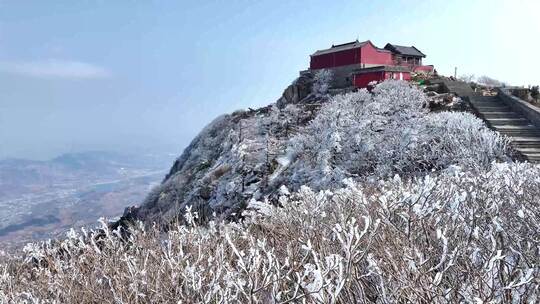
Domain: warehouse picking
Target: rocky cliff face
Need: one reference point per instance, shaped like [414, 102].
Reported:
[231, 160]
[298, 91]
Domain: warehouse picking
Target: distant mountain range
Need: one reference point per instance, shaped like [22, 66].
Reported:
[41, 198]
[19, 175]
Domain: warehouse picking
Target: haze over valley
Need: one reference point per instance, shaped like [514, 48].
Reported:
[44, 199]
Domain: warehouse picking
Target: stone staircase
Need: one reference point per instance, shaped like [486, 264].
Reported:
[524, 136]
[459, 87]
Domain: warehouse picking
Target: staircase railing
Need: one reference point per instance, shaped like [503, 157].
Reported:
[528, 110]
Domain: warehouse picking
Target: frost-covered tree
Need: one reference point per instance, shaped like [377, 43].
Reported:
[467, 78]
[489, 82]
[322, 82]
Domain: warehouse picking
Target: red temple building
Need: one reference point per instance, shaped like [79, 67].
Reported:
[359, 63]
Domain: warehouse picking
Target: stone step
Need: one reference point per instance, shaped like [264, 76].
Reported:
[529, 150]
[508, 121]
[524, 145]
[515, 128]
[488, 105]
[511, 133]
[485, 98]
[526, 139]
[458, 87]
[491, 115]
[533, 158]
[488, 102]
[489, 109]
[525, 142]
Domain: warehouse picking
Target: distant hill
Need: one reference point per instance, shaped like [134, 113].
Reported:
[39, 199]
[16, 175]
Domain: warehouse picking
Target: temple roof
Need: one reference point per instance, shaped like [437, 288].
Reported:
[404, 50]
[346, 46]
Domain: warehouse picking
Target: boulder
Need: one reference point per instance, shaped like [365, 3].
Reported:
[297, 91]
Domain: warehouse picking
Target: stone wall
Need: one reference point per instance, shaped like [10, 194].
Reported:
[530, 111]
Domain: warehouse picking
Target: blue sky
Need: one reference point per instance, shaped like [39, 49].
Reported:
[148, 75]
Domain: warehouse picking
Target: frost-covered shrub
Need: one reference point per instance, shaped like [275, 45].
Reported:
[321, 82]
[459, 138]
[455, 237]
[489, 82]
[387, 132]
[468, 78]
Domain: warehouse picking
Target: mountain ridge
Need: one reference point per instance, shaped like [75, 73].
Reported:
[247, 156]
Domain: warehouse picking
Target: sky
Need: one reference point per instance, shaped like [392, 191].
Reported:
[133, 76]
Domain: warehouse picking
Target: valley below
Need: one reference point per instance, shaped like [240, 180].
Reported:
[40, 200]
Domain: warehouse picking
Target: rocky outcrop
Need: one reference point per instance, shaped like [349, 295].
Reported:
[230, 161]
[297, 91]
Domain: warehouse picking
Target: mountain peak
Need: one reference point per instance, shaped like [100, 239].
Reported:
[318, 140]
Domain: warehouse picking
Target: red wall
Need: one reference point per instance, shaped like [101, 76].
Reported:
[423, 68]
[367, 54]
[396, 75]
[335, 59]
[370, 55]
[362, 80]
